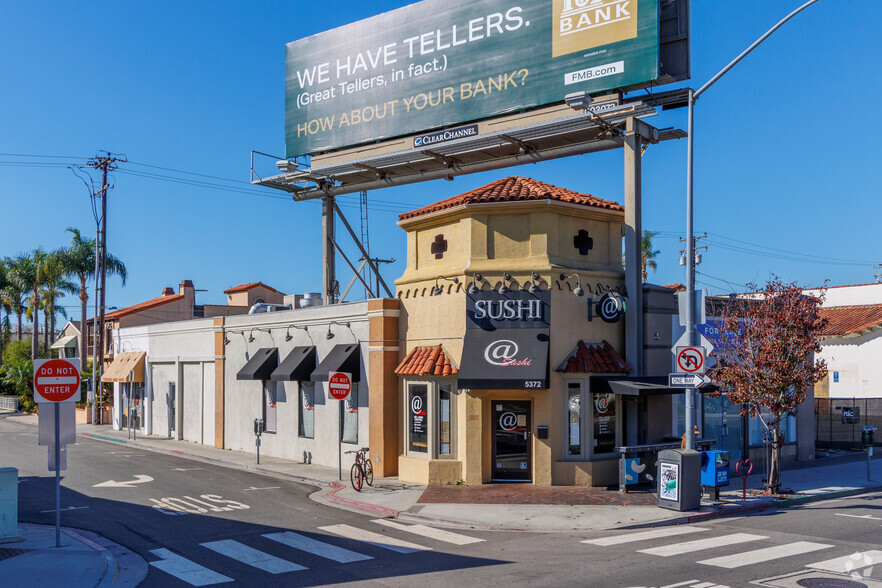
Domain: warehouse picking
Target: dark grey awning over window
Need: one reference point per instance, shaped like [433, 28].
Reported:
[504, 359]
[636, 386]
[261, 365]
[298, 365]
[342, 358]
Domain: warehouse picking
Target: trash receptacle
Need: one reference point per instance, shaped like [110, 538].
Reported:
[679, 477]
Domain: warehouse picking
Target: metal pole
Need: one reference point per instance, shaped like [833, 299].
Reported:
[94, 393]
[690, 242]
[56, 406]
[102, 277]
[340, 441]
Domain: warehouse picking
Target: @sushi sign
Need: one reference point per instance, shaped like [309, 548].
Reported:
[610, 308]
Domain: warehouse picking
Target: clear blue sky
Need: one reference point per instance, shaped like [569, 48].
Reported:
[787, 173]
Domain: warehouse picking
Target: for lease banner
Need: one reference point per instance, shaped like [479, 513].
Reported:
[438, 63]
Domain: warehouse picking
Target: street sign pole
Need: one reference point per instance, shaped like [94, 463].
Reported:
[339, 386]
[57, 408]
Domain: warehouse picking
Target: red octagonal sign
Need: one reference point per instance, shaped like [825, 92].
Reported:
[56, 380]
[339, 384]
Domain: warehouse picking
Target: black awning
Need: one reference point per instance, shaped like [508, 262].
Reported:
[342, 358]
[636, 385]
[504, 359]
[298, 365]
[261, 365]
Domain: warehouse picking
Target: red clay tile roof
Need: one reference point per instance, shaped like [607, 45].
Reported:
[848, 320]
[676, 287]
[244, 287]
[514, 189]
[426, 361]
[595, 358]
[135, 308]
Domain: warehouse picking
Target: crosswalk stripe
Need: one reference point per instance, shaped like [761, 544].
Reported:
[762, 555]
[844, 565]
[644, 535]
[430, 532]
[252, 557]
[319, 548]
[375, 539]
[829, 489]
[690, 546]
[186, 570]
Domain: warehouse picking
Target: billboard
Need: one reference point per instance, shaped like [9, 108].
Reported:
[438, 63]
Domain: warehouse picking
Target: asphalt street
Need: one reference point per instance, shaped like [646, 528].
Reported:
[202, 524]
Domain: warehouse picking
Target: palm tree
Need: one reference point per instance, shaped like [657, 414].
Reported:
[647, 254]
[79, 263]
[4, 308]
[27, 274]
[55, 286]
[13, 296]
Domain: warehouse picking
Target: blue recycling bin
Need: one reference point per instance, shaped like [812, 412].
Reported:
[714, 468]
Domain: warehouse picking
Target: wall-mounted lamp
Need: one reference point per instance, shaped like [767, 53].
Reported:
[534, 287]
[289, 336]
[578, 291]
[437, 289]
[330, 335]
[503, 289]
[251, 335]
[226, 339]
[578, 101]
[473, 289]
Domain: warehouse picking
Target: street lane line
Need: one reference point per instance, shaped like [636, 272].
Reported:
[849, 563]
[644, 535]
[703, 585]
[686, 583]
[829, 489]
[252, 557]
[186, 570]
[870, 517]
[430, 532]
[375, 539]
[690, 546]
[309, 545]
[762, 555]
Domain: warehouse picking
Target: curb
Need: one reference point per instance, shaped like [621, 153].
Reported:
[366, 506]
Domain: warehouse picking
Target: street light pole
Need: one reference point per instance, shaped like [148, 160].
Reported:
[690, 239]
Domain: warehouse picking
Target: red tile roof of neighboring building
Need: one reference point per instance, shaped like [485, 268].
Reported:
[245, 287]
[676, 287]
[426, 361]
[141, 306]
[513, 189]
[848, 320]
[595, 358]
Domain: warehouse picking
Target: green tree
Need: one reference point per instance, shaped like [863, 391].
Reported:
[4, 309]
[12, 295]
[647, 254]
[55, 286]
[79, 263]
[27, 274]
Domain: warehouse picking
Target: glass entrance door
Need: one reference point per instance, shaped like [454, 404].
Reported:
[511, 442]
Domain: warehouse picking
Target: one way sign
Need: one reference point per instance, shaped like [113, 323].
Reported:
[687, 380]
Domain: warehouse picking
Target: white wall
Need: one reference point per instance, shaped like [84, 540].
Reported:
[124, 340]
[856, 360]
[852, 295]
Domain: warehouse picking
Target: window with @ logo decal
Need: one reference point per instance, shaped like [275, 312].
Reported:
[306, 411]
[269, 405]
[349, 406]
[417, 418]
[604, 423]
[429, 419]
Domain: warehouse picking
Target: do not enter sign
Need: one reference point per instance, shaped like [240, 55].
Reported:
[56, 380]
[339, 384]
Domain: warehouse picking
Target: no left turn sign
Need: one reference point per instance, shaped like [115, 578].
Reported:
[690, 360]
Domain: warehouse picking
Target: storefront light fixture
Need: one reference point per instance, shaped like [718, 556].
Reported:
[503, 289]
[578, 101]
[330, 335]
[289, 336]
[437, 289]
[534, 287]
[578, 291]
[473, 289]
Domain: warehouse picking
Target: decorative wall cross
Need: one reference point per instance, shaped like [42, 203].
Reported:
[583, 242]
[439, 246]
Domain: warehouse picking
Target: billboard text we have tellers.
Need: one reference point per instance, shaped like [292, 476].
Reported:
[442, 62]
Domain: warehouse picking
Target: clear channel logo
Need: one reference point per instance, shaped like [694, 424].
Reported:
[445, 135]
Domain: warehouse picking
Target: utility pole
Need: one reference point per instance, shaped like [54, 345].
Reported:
[695, 248]
[877, 277]
[106, 164]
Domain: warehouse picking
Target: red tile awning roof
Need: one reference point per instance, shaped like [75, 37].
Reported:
[849, 320]
[514, 189]
[141, 306]
[594, 358]
[426, 361]
[246, 287]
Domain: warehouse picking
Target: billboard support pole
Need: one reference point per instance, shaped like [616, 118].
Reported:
[690, 239]
[633, 236]
[329, 272]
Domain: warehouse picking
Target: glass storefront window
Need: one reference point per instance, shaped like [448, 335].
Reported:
[418, 423]
[269, 406]
[444, 423]
[574, 418]
[604, 423]
[306, 420]
[349, 406]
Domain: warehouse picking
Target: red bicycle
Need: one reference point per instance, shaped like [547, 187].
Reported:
[362, 471]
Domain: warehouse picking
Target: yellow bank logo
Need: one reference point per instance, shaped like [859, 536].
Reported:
[583, 24]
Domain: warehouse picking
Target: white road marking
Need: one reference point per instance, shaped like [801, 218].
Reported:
[375, 539]
[702, 585]
[870, 517]
[267, 488]
[431, 533]
[252, 557]
[185, 469]
[139, 479]
[186, 570]
[66, 508]
[644, 535]
[849, 563]
[830, 489]
[686, 583]
[690, 546]
[762, 555]
[309, 545]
